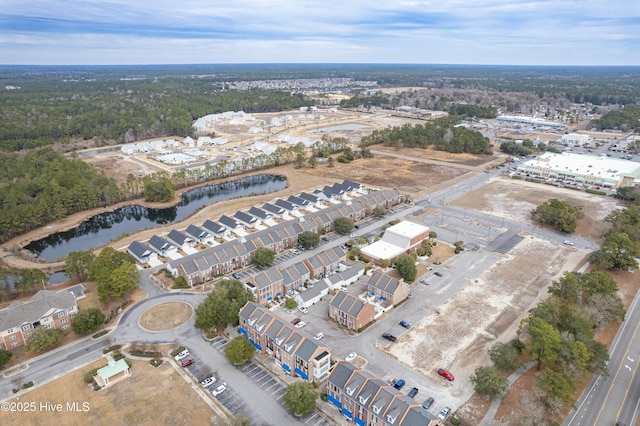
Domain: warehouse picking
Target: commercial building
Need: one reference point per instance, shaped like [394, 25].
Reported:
[591, 170]
[405, 237]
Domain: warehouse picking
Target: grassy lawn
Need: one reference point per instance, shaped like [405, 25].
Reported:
[150, 396]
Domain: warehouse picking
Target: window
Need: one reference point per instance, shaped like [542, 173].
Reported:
[64, 327]
[12, 338]
[62, 314]
[26, 327]
[63, 320]
[28, 334]
[14, 344]
[10, 330]
[47, 326]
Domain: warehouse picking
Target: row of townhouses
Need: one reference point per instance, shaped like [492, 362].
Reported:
[368, 401]
[48, 309]
[295, 351]
[237, 253]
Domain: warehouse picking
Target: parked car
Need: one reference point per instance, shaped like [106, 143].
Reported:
[303, 309]
[295, 321]
[568, 243]
[318, 336]
[301, 324]
[182, 355]
[425, 282]
[428, 403]
[301, 248]
[390, 337]
[324, 239]
[399, 384]
[343, 246]
[413, 392]
[217, 391]
[437, 273]
[446, 374]
[351, 357]
[444, 413]
[295, 251]
[208, 382]
[236, 275]
[188, 362]
[405, 324]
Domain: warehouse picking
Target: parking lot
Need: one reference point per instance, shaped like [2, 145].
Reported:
[266, 381]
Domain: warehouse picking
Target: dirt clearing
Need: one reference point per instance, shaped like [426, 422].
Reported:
[515, 200]
[459, 332]
[166, 316]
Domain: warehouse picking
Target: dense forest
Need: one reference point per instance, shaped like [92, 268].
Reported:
[44, 185]
[441, 134]
[625, 119]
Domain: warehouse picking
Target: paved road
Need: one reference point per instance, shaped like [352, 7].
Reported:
[617, 397]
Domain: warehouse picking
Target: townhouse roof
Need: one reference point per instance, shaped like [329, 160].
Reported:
[351, 184]
[341, 373]
[351, 272]
[276, 326]
[292, 342]
[159, 244]
[42, 304]
[314, 291]
[259, 213]
[266, 278]
[347, 303]
[309, 197]
[356, 382]
[247, 310]
[244, 217]
[381, 401]
[307, 348]
[139, 249]
[383, 282]
[197, 232]
[294, 273]
[283, 335]
[178, 237]
[271, 208]
[416, 415]
[285, 205]
[298, 201]
[369, 390]
[228, 222]
[213, 227]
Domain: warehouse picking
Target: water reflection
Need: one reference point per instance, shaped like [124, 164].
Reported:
[99, 230]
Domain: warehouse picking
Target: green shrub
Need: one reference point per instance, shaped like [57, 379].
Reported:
[27, 385]
[88, 376]
[177, 351]
[594, 191]
[111, 348]
[156, 362]
[516, 177]
[96, 387]
[100, 334]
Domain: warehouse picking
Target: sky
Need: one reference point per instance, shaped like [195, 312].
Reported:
[501, 32]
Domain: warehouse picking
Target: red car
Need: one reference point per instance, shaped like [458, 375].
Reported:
[188, 362]
[295, 321]
[446, 374]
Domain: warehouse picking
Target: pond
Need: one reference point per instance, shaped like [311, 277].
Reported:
[103, 228]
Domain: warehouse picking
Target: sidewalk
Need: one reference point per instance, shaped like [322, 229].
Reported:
[495, 404]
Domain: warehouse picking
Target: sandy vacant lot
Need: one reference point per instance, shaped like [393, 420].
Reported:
[515, 199]
[151, 396]
[459, 333]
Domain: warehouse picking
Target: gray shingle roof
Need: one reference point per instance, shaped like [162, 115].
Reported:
[159, 244]
[40, 305]
[213, 227]
[228, 222]
[285, 205]
[245, 218]
[178, 237]
[341, 373]
[272, 208]
[197, 232]
[139, 250]
[259, 213]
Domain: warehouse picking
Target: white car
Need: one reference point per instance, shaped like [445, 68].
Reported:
[182, 355]
[444, 413]
[217, 391]
[300, 324]
[303, 309]
[352, 236]
[318, 336]
[351, 357]
[568, 243]
[208, 382]
[294, 251]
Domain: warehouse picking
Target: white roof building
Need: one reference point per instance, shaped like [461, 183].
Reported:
[574, 139]
[588, 169]
[398, 239]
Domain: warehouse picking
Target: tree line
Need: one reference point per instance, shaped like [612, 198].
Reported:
[441, 134]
